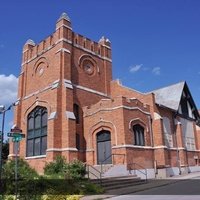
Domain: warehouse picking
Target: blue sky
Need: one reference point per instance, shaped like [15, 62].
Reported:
[155, 43]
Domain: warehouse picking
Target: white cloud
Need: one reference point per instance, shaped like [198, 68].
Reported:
[156, 70]
[8, 89]
[135, 68]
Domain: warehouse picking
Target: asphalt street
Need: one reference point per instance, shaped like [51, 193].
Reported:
[184, 189]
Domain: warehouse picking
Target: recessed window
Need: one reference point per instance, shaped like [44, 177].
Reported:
[77, 141]
[76, 113]
[37, 132]
[138, 135]
[167, 132]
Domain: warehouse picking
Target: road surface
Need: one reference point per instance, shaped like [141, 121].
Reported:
[183, 189]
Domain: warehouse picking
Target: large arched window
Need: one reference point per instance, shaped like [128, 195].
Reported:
[37, 132]
[138, 135]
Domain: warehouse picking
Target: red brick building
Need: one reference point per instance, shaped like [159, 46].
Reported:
[69, 105]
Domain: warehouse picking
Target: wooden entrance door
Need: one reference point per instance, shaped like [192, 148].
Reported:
[104, 148]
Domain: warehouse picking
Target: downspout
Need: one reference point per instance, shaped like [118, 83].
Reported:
[152, 144]
[177, 149]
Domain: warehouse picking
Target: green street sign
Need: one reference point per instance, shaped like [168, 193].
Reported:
[17, 139]
[16, 134]
[12, 134]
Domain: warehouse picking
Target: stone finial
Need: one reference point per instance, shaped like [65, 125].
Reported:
[30, 42]
[105, 41]
[64, 16]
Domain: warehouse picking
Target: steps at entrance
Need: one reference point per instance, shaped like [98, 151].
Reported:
[95, 171]
[110, 183]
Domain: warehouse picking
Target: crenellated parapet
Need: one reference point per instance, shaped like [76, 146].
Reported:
[116, 103]
[64, 34]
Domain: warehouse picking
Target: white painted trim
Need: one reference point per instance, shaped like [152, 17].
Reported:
[55, 84]
[91, 131]
[70, 115]
[90, 90]
[174, 148]
[25, 51]
[63, 40]
[136, 119]
[89, 150]
[118, 107]
[157, 116]
[63, 25]
[17, 102]
[67, 85]
[51, 86]
[62, 149]
[132, 146]
[53, 115]
[35, 157]
[104, 45]
[67, 81]
[160, 147]
[63, 50]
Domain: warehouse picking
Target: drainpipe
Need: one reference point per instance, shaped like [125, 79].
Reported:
[177, 149]
[152, 144]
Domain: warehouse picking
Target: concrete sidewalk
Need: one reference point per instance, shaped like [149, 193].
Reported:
[153, 183]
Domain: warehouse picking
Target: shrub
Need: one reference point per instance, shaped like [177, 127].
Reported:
[75, 170]
[55, 167]
[25, 175]
[24, 171]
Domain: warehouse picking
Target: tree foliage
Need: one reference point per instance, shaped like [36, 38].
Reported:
[5, 151]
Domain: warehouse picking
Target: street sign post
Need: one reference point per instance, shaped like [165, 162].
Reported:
[16, 135]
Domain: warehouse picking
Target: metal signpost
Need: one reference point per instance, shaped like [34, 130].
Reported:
[16, 135]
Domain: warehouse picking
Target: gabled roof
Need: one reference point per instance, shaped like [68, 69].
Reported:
[169, 96]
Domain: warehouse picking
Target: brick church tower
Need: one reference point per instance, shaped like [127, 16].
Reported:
[59, 76]
[69, 105]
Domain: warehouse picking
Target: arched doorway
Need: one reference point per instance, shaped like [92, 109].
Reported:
[104, 147]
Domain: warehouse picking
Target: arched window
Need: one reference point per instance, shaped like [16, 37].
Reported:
[138, 135]
[37, 132]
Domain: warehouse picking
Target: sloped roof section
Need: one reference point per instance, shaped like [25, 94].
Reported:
[170, 96]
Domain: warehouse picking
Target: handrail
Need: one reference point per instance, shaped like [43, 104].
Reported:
[111, 155]
[89, 172]
[134, 166]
